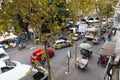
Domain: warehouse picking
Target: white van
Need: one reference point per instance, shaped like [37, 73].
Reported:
[25, 72]
[8, 65]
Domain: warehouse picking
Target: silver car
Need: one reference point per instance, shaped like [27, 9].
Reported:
[76, 37]
[62, 43]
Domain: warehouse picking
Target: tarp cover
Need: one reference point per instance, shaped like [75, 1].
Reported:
[108, 48]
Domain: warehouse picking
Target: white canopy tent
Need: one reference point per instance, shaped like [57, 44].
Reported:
[7, 36]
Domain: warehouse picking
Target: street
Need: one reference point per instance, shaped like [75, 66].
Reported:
[59, 62]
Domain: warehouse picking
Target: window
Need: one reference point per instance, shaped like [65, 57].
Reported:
[5, 69]
[38, 76]
[8, 63]
[34, 55]
[60, 43]
[2, 55]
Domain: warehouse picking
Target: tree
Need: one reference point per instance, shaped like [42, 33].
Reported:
[42, 15]
[78, 8]
[104, 9]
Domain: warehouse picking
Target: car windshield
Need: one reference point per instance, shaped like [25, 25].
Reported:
[58, 43]
[2, 55]
[33, 76]
[38, 76]
[8, 63]
[33, 55]
[5, 69]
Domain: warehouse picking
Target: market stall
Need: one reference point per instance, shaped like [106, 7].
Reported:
[91, 33]
[6, 40]
[108, 48]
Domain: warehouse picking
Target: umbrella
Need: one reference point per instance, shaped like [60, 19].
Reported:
[85, 45]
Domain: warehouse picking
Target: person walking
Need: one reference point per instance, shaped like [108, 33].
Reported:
[109, 37]
[110, 34]
[84, 40]
[103, 38]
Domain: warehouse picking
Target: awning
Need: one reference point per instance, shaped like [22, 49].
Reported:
[108, 48]
[7, 36]
[107, 52]
[110, 45]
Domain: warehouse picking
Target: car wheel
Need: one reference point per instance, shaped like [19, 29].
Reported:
[52, 55]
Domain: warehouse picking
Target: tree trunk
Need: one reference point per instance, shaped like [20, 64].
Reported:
[48, 61]
[100, 25]
[75, 51]
[100, 21]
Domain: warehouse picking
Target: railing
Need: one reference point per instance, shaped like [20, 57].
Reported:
[106, 76]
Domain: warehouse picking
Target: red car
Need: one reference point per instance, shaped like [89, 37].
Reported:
[37, 55]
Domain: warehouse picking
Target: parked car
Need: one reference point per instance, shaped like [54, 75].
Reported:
[25, 72]
[8, 65]
[62, 43]
[38, 54]
[76, 37]
[3, 55]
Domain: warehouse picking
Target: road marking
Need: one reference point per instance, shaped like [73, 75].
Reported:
[32, 47]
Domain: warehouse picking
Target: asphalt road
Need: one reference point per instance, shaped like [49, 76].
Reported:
[59, 62]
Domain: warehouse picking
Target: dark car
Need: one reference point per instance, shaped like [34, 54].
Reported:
[62, 43]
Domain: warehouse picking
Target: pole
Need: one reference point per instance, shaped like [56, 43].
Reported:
[68, 56]
[75, 52]
[68, 64]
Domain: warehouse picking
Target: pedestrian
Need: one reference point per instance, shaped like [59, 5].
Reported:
[103, 61]
[109, 37]
[85, 40]
[82, 51]
[115, 31]
[82, 35]
[103, 39]
[99, 59]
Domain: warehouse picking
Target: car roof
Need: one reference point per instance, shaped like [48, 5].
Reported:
[18, 72]
[61, 40]
[2, 64]
[39, 51]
